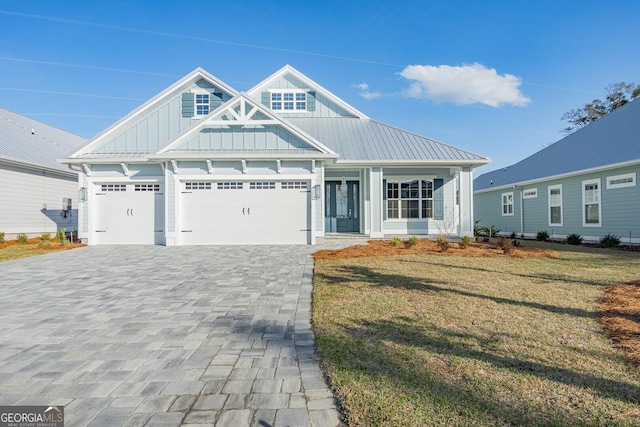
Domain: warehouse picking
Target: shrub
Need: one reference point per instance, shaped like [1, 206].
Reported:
[574, 239]
[412, 241]
[396, 241]
[45, 243]
[506, 245]
[61, 235]
[1, 236]
[542, 236]
[609, 241]
[464, 241]
[45, 237]
[513, 235]
[22, 238]
[443, 243]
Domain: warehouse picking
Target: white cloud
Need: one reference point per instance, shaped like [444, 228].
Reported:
[467, 84]
[365, 92]
[362, 86]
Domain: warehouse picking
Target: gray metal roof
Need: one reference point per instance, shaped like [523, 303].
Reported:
[613, 139]
[357, 139]
[31, 142]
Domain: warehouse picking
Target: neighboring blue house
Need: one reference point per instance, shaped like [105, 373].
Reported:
[32, 183]
[584, 184]
[286, 162]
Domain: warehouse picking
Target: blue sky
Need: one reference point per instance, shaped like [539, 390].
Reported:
[491, 77]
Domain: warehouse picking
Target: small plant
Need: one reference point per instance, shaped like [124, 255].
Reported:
[45, 243]
[464, 242]
[542, 236]
[506, 245]
[61, 235]
[22, 238]
[609, 241]
[412, 241]
[443, 243]
[1, 236]
[396, 241]
[574, 239]
[45, 236]
[513, 235]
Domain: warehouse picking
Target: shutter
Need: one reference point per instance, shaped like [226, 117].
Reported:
[438, 198]
[384, 198]
[215, 100]
[187, 104]
[311, 101]
[266, 99]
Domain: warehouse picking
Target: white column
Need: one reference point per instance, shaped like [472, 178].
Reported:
[377, 202]
[465, 177]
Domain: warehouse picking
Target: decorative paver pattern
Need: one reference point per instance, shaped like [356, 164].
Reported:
[164, 336]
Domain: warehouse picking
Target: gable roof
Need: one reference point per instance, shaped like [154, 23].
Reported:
[33, 143]
[288, 69]
[612, 140]
[242, 111]
[121, 124]
[364, 140]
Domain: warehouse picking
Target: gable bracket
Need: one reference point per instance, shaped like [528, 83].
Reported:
[125, 168]
[87, 169]
[175, 166]
[313, 166]
[244, 166]
[279, 165]
[209, 166]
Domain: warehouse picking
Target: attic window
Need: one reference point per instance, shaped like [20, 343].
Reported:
[201, 104]
[287, 100]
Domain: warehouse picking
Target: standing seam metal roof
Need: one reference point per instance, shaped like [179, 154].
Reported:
[31, 142]
[367, 140]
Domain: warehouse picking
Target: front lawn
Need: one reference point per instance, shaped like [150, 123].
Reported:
[426, 339]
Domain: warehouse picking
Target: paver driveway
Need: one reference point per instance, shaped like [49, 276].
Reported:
[159, 336]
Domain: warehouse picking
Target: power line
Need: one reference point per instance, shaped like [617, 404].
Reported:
[55, 92]
[90, 67]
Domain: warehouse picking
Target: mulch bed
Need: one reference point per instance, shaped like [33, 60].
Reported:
[619, 314]
[54, 246]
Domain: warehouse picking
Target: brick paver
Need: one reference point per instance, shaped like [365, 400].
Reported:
[152, 335]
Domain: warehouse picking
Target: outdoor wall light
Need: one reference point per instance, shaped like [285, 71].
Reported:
[317, 192]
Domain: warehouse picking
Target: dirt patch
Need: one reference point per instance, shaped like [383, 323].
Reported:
[620, 316]
[375, 248]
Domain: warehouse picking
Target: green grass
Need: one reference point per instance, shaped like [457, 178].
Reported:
[15, 251]
[445, 340]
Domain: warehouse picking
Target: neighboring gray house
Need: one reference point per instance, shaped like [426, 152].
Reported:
[286, 162]
[584, 184]
[32, 184]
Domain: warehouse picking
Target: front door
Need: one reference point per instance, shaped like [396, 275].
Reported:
[342, 205]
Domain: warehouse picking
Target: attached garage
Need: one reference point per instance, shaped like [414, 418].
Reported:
[128, 213]
[244, 212]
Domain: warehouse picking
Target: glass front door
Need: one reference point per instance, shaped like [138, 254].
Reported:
[342, 203]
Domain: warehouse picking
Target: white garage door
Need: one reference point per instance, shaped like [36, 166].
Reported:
[128, 214]
[244, 212]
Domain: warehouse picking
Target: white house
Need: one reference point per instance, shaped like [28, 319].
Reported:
[286, 162]
[585, 184]
[32, 184]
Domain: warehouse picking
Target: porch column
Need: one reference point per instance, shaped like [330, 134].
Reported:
[465, 177]
[377, 201]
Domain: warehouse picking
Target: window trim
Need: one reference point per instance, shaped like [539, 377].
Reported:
[295, 101]
[611, 185]
[549, 205]
[533, 191]
[599, 202]
[507, 205]
[196, 104]
[399, 199]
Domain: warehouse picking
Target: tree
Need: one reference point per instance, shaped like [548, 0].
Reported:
[618, 94]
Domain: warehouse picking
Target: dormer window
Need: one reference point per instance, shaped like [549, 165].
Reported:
[288, 100]
[201, 104]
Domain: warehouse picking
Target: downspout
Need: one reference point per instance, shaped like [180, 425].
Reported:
[521, 213]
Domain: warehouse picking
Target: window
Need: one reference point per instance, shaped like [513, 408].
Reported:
[410, 199]
[262, 185]
[230, 185]
[555, 205]
[201, 104]
[147, 187]
[591, 202]
[202, 185]
[294, 185]
[114, 187]
[621, 181]
[530, 193]
[507, 204]
[289, 101]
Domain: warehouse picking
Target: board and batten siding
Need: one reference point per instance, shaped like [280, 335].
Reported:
[266, 137]
[26, 191]
[620, 208]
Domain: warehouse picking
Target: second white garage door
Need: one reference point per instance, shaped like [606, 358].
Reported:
[244, 212]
